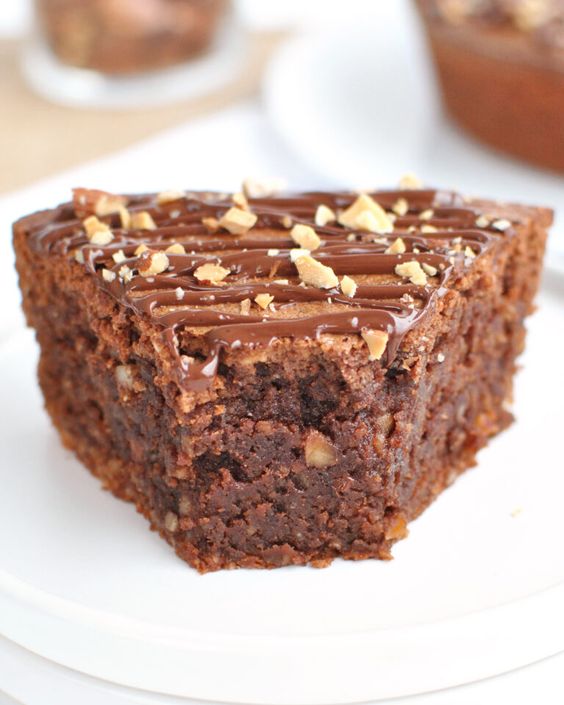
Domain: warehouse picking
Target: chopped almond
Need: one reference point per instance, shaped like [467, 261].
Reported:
[124, 217]
[397, 247]
[108, 204]
[102, 237]
[348, 286]
[240, 200]
[413, 271]
[305, 236]
[237, 221]
[400, 207]
[366, 214]
[211, 224]
[376, 341]
[245, 307]
[140, 249]
[169, 197]
[125, 274]
[143, 221]
[108, 275]
[211, 272]
[152, 263]
[176, 249]
[319, 451]
[264, 300]
[410, 182]
[324, 215]
[93, 225]
[254, 188]
[429, 269]
[502, 224]
[313, 272]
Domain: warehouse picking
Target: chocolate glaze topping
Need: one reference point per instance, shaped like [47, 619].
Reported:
[447, 239]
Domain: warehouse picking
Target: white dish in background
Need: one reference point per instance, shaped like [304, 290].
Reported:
[83, 88]
[476, 590]
[359, 104]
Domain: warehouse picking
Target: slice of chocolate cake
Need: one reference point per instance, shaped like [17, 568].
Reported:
[279, 379]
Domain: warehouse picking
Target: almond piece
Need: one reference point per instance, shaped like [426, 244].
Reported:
[313, 272]
[324, 215]
[400, 207]
[502, 224]
[255, 188]
[176, 249]
[245, 307]
[376, 341]
[305, 236]
[237, 221]
[413, 271]
[92, 225]
[397, 247]
[101, 237]
[211, 272]
[264, 300]
[125, 217]
[211, 224]
[410, 182]
[108, 204]
[366, 214]
[240, 200]
[151, 263]
[348, 286]
[319, 451]
[143, 221]
[429, 269]
[169, 196]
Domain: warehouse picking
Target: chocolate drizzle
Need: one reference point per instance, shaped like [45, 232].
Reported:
[259, 262]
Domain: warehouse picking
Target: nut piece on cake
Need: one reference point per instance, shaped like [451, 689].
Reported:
[286, 380]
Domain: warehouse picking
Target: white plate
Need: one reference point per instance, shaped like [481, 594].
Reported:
[476, 590]
[83, 88]
[32, 680]
[358, 103]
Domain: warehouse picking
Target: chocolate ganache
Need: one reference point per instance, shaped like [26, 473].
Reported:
[149, 253]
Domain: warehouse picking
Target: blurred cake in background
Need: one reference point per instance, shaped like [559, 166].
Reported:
[125, 37]
[501, 68]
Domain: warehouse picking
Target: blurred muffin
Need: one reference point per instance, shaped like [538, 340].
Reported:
[501, 69]
[128, 36]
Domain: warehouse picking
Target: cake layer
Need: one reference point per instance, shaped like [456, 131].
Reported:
[279, 379]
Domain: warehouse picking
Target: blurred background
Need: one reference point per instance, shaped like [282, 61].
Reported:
[202, 93]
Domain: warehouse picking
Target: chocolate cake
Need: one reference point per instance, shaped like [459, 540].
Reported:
[122, 37]
[279, 379]
[501, 69]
